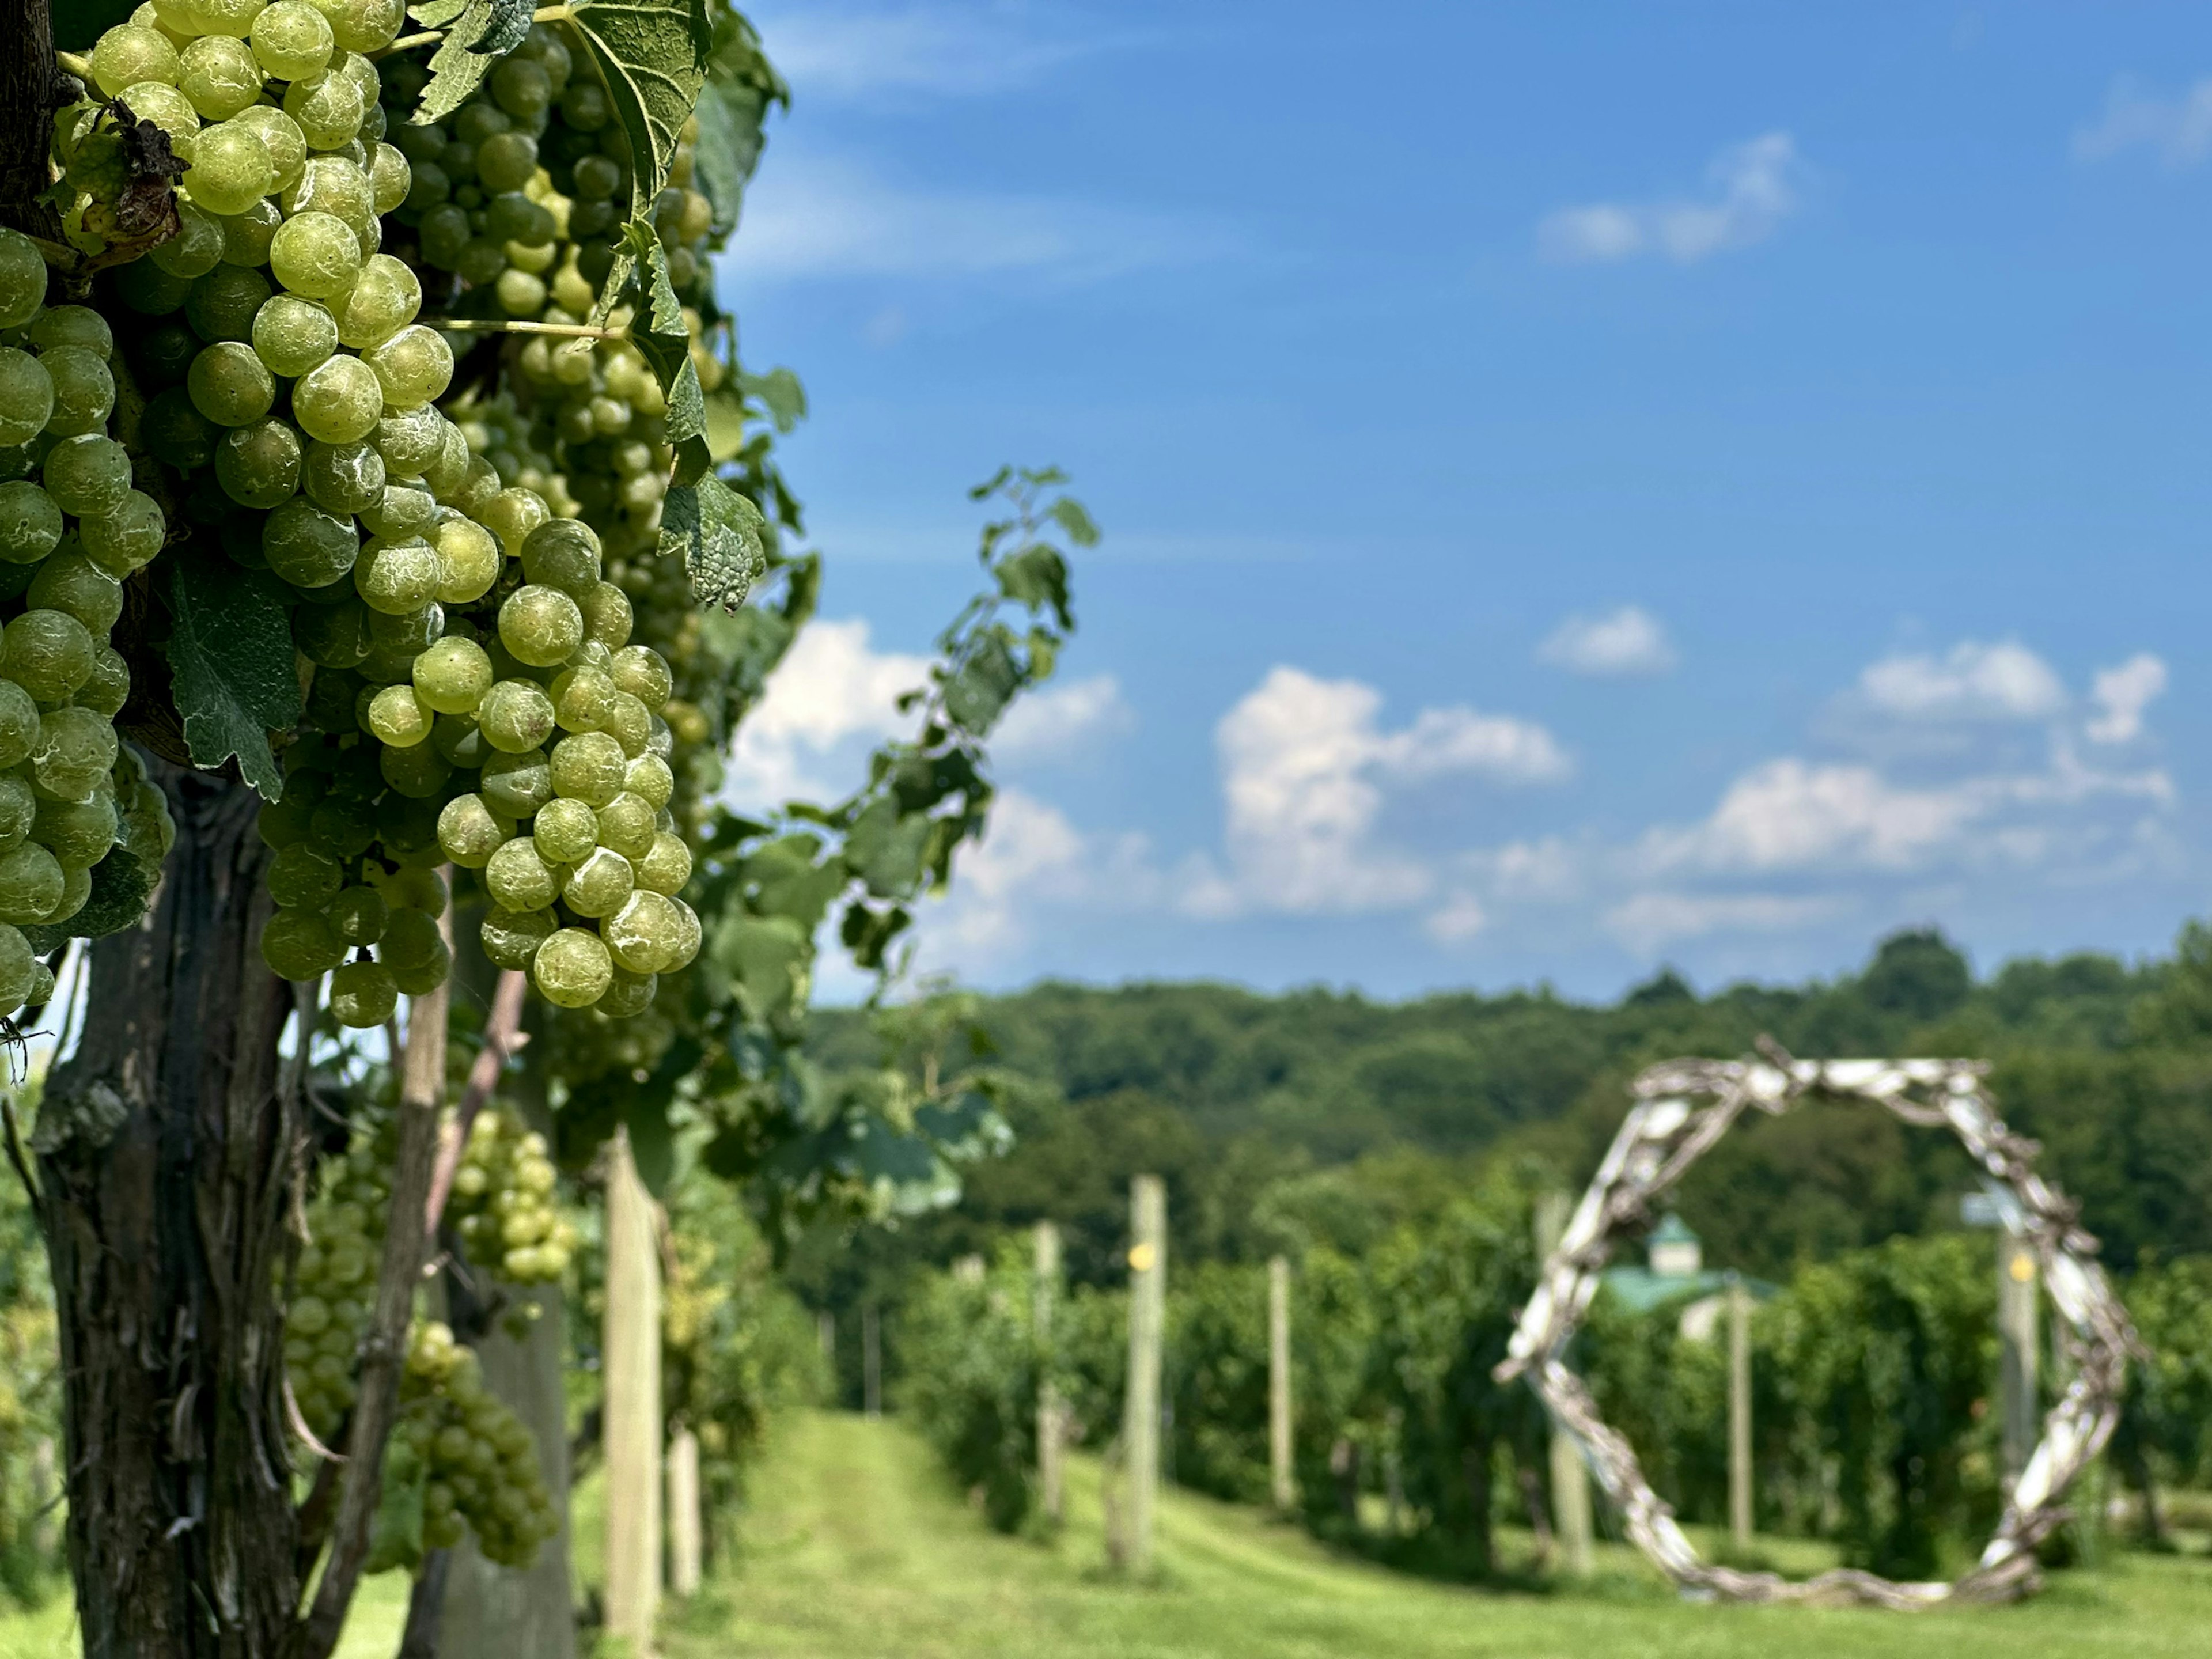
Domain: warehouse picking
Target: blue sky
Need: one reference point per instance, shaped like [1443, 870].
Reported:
[1585, 487]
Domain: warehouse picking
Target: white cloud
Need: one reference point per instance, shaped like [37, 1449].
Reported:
[1650, 922]
[1754, 188]
[1304, 776]
[1790, 814]
[2179, 129]
[1972, 682]
[1629, 640]
[1062, 722]
[811, 217]
[832, 689]
[862, 52]
[1458, 919]
[2122, 695]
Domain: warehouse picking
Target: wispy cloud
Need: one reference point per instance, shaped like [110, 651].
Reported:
[1754, 187]
[1972, 681]
[1062, 723]
[2122, 695]
[2177, 129]
[1627, 641]
[1650, 922]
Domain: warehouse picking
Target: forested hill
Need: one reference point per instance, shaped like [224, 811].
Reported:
[1320, 1115]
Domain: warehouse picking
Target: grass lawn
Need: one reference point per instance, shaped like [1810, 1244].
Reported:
[372, 1631]
[856, 1547]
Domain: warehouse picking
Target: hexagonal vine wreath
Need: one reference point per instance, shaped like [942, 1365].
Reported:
[1682, 1107]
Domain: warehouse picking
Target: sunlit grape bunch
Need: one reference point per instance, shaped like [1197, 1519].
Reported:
[502, 1202]
[72, 528]
[334, 1285]
[482, 1462]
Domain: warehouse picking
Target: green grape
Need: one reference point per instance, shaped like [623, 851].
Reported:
[583, 698]
[401, 509]
[26, 395]
[410, 631]
[71, 583]
[197, 248]
[328, 108]
[363, 993]
[468, 832]
[566, 832]
[357, 915]
[149, 290]
[316, 254]
[628, 994]
[414, 890]
[516, 715]
[626, 826]
[338, 401]
[220, 77]
[644, 673]
[445, 235]
[470, 558]
[71, 326]
[88, 476]
[364, 26]
[420, 981]
[648, 776]
[511, 938]
[30, 523]
[75, 753]
[572, 969]
[292, 335]
[600, 886]
[410, 441]
[230, 17]
[222, 304]
[19, 721]
[398, 718]
[19, 809]
[287, 144]
[343, 828]
[335, 185]
[381, 302]
[108, 687]
[308, 546]
[230, 385]
[231, 168]
[389, 176]
[419, 773]
[84, 391]
[18, 970]
[563, 554]
[541, 627]
[411, 939]
[630, 725]
[688, 938]
[47, 653]
[246, 236]
[414, 366]
[452, 676]
[458, 738]
[343, 479]
[30, 886]
[127, 538]
[302, 877]
[589, 767]
[167, 108]
[516, 786]
[76, 887]
[644, 933]
[397, 578]
[77, 833]
[607, 615]
[518, 878]
[258, 465]
[512, 515]
[293, 41]
[667, 867]
[127, 54]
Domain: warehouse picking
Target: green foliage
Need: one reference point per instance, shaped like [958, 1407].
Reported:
[973, 1366]
[234, 672]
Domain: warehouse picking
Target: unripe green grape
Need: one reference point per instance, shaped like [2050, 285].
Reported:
[413, 890]
[582, 699]
[127, 54]
[26, 395]
[30, 522]
[516, 715]
[511, 515]
[511, 938]
[478, 490]
[345, 828]
[258, 465]
[300, 945]
[419, 773]
[572, 969]
[468, 833]
[308, 546]
[87, 476]
[453, 675]
[167, 108]
[628, 994]
[18, 970]
[71, 583]
[401, 508]
[608, 617]
[358, 915]
[427, 188]
[127, 538]
[513, 217]
[231, 17]
[149, 290]
[364, 26]
[540, 626]
[389, 176]
[315, 254]
[667, 867]
[630, 725]
[411, 939]
[410, 441]
[566, 832]
[75, 753]
[77, 833]
[222, 304]
[397, 578]
[413, 631]
[688, 938]
[335, 185]
[303, 877]
[421, 980]
[648, 777]
[246, 236]
[482, 261]
[343, 479]
[363, 994]
[588, 767]
[108, 687]
[293, 41]
[384, 301]
[84, 391]
[458, 738]
[520, 294]
[518, 878]
[445, 236]
[338, 401]
[516, 786]
[292, 335]
[19, 806]
[30, 886]
[219, 75]
[328, 108]
[47, 653]
[231, 168]
[600, 886]
[230, 385]
[399, 718]
[414, 366]
[644, 673]
[76, 887]
[197, 248]
[626, 826]
[287, 145]
[469, 558]
[505, 161]
[563, 553]
[72, 325]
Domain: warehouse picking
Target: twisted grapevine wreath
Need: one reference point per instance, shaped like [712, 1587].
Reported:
[1683, 1106]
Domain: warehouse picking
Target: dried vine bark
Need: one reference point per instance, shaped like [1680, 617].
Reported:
[165, 1148]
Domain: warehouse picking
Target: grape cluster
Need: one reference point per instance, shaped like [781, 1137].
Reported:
[71, 528]
[502, 1202]
[482, 1462]
[334, 1284]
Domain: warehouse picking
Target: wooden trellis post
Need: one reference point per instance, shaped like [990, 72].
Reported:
[1148, 1264]
[1739, 1314]
[685, 1524]
[1570, 1492]
[1281, 1485]
[630, 1358]
[872, 1362]
[1049, 1441]
[2019, 1341]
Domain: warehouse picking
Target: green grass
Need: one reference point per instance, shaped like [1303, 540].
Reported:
[371, 1630]
[856, 1547]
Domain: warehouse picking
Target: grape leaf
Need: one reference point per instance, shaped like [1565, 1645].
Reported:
[663, 339]
[122, 887]
[233, 666]
[653, 54]
[977, 695]
[717, 533]
[741, 84]
[482, 32]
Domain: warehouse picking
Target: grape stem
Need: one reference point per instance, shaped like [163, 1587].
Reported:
[486, 325]
[430, 37]
[503, 1036]
[80, 67]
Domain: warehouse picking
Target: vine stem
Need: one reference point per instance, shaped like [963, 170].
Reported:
[79, 66]
[486, 325]
[430, 37]
[503, 1036]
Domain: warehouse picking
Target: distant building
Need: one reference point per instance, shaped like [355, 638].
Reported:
[1674, 1271]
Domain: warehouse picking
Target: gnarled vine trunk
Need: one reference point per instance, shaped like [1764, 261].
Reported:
[164, 1149]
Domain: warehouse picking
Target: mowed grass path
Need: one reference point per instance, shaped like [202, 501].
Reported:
[856, 1547]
